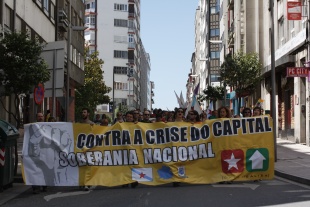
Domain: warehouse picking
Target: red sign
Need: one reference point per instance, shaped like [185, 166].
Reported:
[297, 72]
[294, 10]
[39, 94]
[232, 161]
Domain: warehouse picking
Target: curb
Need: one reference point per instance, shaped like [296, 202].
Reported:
[292, 178]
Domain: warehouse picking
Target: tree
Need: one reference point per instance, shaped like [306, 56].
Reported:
[94, 90]
[242, 72]
[22, 68]
[212, 94]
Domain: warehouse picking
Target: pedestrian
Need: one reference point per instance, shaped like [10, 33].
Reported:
[246, 112]
[48, 114]
[85, 116]
[146, 117]
[86, 120]
[136, 118]
[257, 111]
[119, 118]
[179, 115]
[223, 112]
[97, 119]
[193, 116]
[104, 122]
[213, 115]
[51, 119]
[36, 188]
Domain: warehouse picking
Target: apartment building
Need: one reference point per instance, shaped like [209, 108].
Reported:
[247, 26]
[115, 33]
[208, 47]
[50, 22]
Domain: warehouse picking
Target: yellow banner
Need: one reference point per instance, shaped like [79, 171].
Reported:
[209, 152]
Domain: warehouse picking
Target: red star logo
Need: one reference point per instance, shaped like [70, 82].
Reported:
[142, 175]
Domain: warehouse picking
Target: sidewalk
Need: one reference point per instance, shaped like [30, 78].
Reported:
[293, 163]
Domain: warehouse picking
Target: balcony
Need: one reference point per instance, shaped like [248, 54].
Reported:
[152, 93]
[131, 15]
[231, 35]
[230, 5]
[131, 45]
[132, 29]
[63, 21]
[131, 61]
[131, 1]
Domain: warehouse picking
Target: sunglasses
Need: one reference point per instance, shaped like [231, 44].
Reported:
[180, 111]
[146, 114]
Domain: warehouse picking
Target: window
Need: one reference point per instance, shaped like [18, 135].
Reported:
[120, 54]
[215, 54]
[120, 23]
[53, 11]
[46, 5]
[90, 5]
[215, 9]
[7, 17]
[215, 32]
[90, 20]
[131, 38]
[281, 31]
[120, 70]
[18, 24]
[120, 7]
[120, 86]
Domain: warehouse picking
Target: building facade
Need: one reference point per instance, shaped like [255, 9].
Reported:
[115, 34]
[50, 22]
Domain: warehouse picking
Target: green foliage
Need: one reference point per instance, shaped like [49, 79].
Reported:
[22, 67]
[212, 94]
[21, 63]
[94, 90]
[242, 72]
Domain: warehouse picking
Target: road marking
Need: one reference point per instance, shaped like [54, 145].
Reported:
[61, 195]
[244, 185]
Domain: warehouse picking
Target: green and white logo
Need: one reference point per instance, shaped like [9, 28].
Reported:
[257, 159]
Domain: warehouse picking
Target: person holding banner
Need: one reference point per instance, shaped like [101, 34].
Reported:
[85, 116]
[246, 112]
[223, 112]
[193, 116]
[35, 151]
[179, 115]
[146, 117]
[86, 120]
[257, 111]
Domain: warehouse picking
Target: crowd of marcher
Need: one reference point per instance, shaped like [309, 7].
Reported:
[157, 115]
[179, 114]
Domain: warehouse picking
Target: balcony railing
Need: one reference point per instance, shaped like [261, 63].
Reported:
[132, 29]
[131, 15]
[131, 45]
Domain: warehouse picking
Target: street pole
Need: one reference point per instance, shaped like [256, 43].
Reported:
[113, 113]
[273, 79]
[68, 66]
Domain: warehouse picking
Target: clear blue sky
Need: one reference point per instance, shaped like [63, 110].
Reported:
[168, 35]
